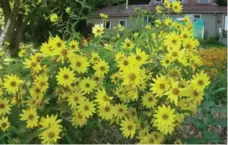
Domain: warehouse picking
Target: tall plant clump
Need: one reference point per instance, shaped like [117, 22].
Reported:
[144, 83]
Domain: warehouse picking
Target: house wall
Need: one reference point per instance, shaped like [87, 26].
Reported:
[132, 22]
[191, 2]
[212, 22]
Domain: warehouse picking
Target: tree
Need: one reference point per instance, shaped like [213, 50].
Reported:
[222, 2]
[18, 13]
[30, 14]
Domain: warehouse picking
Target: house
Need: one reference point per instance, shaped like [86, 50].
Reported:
[214, 16]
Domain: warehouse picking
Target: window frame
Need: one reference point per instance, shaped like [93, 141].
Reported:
[208, 1]
[225, 26]
[123, 21]
[158, 1]
[104, 25]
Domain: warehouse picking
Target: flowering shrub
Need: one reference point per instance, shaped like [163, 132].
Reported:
[145, 83]
[215, 59]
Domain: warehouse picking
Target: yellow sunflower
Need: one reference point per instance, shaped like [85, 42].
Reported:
[79, 63]
[4, 123]
[164, 119]
[87, 85]
[160, 85]
[98, 30]
[200, 81]
[177, 6]
[51, 135]
[30, 116]
[128, 44]
[128, 128]
[74, 45]
[132, 76]
[106, 112]
[78, 119]
[65, 77]
[86, 108]
[101, 67]
[5, 106]
[174, 93]
[149, 100]
[12, 83]
[102, 98]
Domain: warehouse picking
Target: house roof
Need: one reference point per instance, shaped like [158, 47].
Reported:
[121, 11]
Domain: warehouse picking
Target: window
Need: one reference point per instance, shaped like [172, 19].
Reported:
[203, 1]
[123, 23]
[197, 16]
[226, 22]
[194, 17]
[158, 1]
[107, 24]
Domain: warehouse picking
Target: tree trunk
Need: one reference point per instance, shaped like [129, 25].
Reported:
[16, 36]
[15, 30]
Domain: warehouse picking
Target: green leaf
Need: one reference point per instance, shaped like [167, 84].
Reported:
[193, 141]
[220, 109]
[210, 134]
[222, 123]
[212, 137]
[33, 135]
[197, 122]
[218, 90]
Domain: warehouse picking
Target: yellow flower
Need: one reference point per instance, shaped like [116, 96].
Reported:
[149, 100]
[41, 81]
[106, 112]
[98, 30]
[177, 7]
[165, 119]
[33, 65]
[12, 83]
[75, 98]
[200, 81]
[53, 17]
[30, 116]
[172, 40]
[22, 53]
[167, 4]
[50, 121]
[160, 85]
[94, 57]
[4, 123]
[159, 9]
[101, 68]
[63, 54]
[132, 76]
[86, 108]
[102, 98]
[103, 16]
[78, 119]
[68, 10]
[36, 91]
[120, 28]
[65, 77]
[152, 138]
[128, 128]
[87, 85]
[140, 58]
[51, 135]
[168, 21]
[174, 93]
[120, 111]
[128, 44]
[74, 45]
[79, 63]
